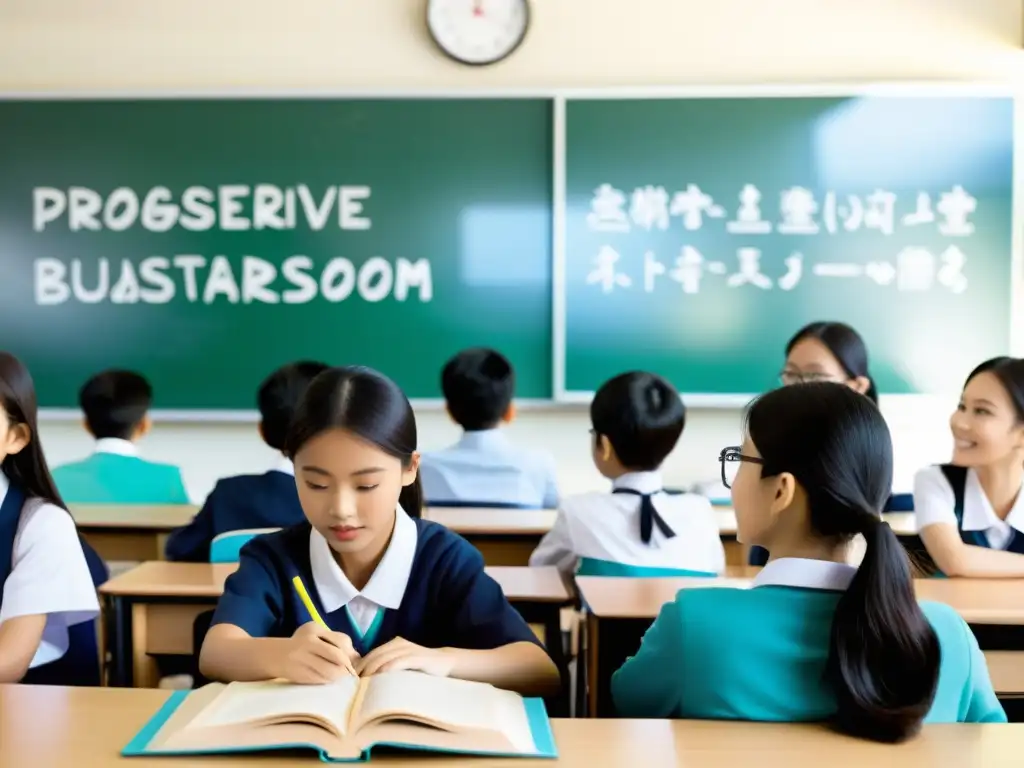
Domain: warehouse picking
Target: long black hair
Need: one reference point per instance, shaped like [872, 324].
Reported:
[846, 346]
[884, 656]
[367, 404]
[1010, 373]
[27, 468]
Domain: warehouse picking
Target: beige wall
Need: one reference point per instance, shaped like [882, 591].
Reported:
[168, 45]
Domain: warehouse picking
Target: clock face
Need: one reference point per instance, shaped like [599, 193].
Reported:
[478, 31]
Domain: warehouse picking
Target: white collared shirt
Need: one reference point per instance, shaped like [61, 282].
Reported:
[934, 503]
[485, 467]
[806, 573]
[386, 586]
[49, 576]
[606, 526]
[116, 445]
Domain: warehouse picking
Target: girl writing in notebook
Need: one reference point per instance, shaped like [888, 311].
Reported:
[971, 512]
[832, 641]
[394, 591]
[47, 588]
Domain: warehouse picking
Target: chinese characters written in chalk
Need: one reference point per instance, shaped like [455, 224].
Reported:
[652, 208]
[915, 269]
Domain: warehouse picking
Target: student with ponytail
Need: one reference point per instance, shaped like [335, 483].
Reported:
[815, 639]
[393, 591]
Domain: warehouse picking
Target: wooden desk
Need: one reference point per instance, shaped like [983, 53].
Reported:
[619, 611]
[151, 608]
[88, 727]
[509, 536]
[129, 531]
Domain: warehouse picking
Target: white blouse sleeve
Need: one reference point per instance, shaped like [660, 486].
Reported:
[49, 575]
[556, 548]
[933, 499]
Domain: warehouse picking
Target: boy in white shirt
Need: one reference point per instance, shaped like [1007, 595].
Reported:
[637, 420]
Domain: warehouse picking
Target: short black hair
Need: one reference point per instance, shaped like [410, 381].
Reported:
[478, 385]
[279, 395]
[115, 402]
[642, 416]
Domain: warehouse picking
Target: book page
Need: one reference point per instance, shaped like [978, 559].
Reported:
[276, 701]
[448, 703]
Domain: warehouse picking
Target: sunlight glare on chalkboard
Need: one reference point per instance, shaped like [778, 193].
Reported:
[498, 245]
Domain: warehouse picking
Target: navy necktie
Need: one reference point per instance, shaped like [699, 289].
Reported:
[649, 516]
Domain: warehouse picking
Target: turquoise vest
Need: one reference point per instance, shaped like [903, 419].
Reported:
[110, 478]
[759, 654]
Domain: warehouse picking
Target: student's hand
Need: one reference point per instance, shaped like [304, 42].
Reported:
[317, 655]
[401, 654]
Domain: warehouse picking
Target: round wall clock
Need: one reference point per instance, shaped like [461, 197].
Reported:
[478, 32]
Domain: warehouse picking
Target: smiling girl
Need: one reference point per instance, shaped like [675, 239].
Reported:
[970, 513]
[396, 591]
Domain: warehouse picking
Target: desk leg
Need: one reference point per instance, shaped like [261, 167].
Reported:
[591, 671]
[119, 636]
[143, 665]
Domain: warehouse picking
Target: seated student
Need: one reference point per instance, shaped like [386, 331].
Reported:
[47, 588]
[253, 501]
[825, 351]
[637, 419]
[484, 466]
[815, 639]
[970, 513]
[116, 405]
[397, 591]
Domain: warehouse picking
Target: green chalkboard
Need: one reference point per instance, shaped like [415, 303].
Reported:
[204, 242]
[701, 233]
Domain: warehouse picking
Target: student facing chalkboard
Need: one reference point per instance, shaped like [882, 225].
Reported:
[825, 351]
[116, 407]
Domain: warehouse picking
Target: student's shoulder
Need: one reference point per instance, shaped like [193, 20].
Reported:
[584, 504]
[930, 477]
[949, 625]
[440, 546]
[280, 548]
[243, 483]
[45, 523]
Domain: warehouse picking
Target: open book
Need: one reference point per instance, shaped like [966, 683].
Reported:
[344, 719]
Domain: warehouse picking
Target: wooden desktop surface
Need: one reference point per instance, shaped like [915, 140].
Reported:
[87, 728]
[160, 578]
[978, 601]
[162, 517]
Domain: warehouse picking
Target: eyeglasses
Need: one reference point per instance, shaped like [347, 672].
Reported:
[788, 377]
[730, 459]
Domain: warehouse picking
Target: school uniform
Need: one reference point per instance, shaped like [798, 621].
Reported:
[116, 474]
[237, 503]
[954, 496]
[429, 588]
[43, 570]
[611, 527]
[760, 653]
[484, 467]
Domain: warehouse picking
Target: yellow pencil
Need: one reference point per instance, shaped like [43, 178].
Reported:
[304, 597]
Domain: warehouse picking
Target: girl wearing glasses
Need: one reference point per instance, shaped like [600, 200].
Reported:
[834, 642]
[827, 351]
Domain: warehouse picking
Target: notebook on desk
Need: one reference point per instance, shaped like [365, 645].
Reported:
[344, 720]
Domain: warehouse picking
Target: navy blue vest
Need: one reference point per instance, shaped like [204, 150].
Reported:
[957, 479]
[80, 665]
